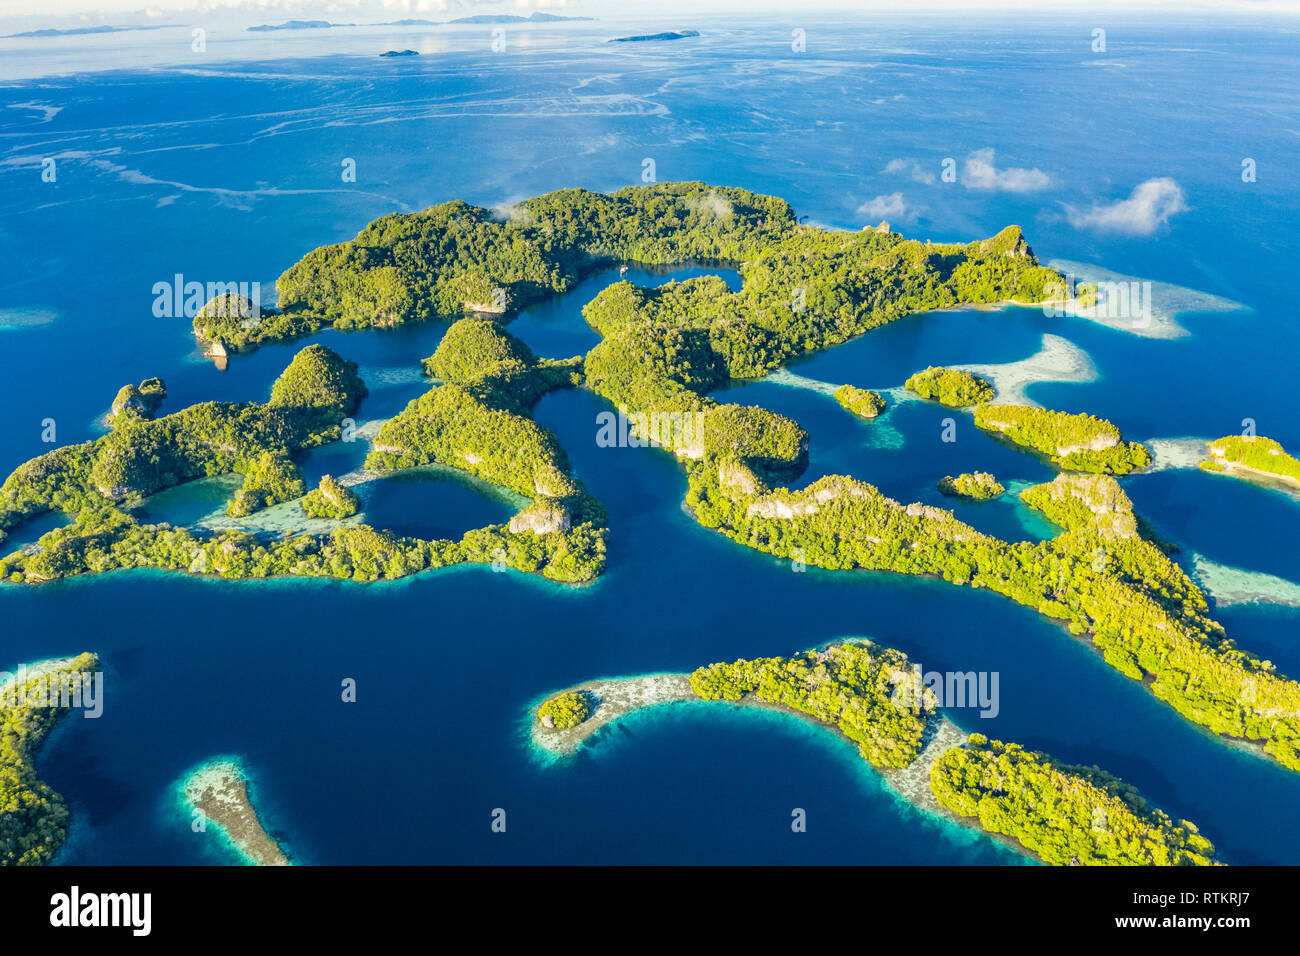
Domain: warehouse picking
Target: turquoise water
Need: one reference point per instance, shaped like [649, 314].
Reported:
[230, 173]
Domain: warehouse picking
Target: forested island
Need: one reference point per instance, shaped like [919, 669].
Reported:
[662, 350]
[473, 425]
[329, 499]
[805, 288]
[33, 818]
[1075, 442]
[1252, 456]
[1101, 578]
[860, 401]
[979, 485]
[1056, 813]
[949, 386]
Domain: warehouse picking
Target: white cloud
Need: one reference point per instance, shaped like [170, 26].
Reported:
[909, 167]
[980, 173]
[1148, 207]
[886, 207]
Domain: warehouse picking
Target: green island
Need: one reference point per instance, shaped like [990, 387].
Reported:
[142, 401]
[1101, 578]
[949, 386]
[661, 351]
[1252, 456]
[329, 499]
[560, 535]
[979, 485]
[217, 793]
[805, 288]
[860, 401]
[1074, 442]
[33, 818]
[1079, 816]
[866, 694]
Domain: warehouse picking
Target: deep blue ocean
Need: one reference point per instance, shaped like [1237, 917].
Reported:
[226, 167]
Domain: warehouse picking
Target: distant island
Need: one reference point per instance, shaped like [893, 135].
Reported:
[298, 25]
[400, 53]
[874, 698]
[670, 35]
[477, 19]
[219, 790]
[77, 31]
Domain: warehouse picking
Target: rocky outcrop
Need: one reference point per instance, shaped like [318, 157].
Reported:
[1100, 443]
[811, 499]
[543, 516]
[738, 478]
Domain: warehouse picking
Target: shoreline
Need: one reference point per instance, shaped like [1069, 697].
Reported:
[619, 697]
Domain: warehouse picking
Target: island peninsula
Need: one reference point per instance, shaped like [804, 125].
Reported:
[1048, 810]
[33, 818]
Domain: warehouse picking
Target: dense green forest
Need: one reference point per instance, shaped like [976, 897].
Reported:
[93, 482]
[564, 711]
[33, 818]
[860, 401]
[1252, 451]
[329, 499]
[851, 686]
[1075, 442]
[142, 456]
[805, 288]
[1062, 814]
[1065, 815]
[950, 386]
[1101, 578]
[476, 421]
[979, 485]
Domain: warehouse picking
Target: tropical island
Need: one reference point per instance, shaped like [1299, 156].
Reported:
[475, 426]
[329, 499]
[979, 485]
[949, 386]
[662, 350]
[218, 790]
[1252, 457]
[1076, 442]
[667, 35]
[33, 818]
[1052, 812]
[860, 401]
[455, 259]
